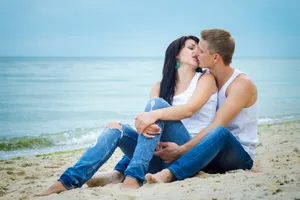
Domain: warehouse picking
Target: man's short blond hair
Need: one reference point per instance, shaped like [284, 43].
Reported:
[219, 41]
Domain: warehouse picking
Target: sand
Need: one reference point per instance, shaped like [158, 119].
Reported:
[275, 175]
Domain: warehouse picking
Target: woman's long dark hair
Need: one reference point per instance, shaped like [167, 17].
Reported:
[168, 82]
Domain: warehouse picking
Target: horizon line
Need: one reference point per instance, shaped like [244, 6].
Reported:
[234, 57]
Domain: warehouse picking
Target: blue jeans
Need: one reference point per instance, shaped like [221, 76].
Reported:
[138, 150]
[219, 151]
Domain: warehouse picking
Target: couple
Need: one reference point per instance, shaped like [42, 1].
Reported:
[182, 129]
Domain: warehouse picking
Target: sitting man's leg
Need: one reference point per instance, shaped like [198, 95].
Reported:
[219, 146]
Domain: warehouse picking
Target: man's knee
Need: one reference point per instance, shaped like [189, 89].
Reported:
[220, 131]
[116, 125]
[220, 128]
[158, 103]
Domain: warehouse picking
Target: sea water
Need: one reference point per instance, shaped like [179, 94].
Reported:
[50, 104]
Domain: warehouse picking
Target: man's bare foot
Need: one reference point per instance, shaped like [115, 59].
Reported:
[104, 178]
[55, 188]
[130, 183]
[164, 176]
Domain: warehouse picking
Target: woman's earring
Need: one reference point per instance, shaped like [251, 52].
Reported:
[178, 65]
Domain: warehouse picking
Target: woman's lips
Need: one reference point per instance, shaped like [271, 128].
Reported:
[196, 59]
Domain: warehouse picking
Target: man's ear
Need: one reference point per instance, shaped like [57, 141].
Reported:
[216, 57]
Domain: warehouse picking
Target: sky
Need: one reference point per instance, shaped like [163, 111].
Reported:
[136, 28]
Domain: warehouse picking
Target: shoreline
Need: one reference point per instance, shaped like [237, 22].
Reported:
[275, 174]
[84, 148]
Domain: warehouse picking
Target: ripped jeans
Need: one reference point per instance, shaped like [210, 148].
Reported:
[138, 150]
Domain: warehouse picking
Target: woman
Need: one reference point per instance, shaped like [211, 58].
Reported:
[193, 97]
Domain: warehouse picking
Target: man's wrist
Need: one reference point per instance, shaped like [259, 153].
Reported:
[182, 150]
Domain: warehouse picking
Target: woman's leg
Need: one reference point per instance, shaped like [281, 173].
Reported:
[95, 156]
[171, 131]
[127, 145]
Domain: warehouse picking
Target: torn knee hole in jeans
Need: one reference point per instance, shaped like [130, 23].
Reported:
[112, 126]
[152, 104]
[107, 128]
[116, 125]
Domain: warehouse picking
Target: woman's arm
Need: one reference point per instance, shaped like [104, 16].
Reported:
[206, 86]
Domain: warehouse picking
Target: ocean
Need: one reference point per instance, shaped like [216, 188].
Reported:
[50, 104]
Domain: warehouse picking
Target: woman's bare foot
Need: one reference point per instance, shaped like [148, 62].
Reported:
[104, 178]
[164, 176]
[130, 183]
[55, 188]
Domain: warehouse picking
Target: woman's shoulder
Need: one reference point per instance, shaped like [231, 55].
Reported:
[209, 80]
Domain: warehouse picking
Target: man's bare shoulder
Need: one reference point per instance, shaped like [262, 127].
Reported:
[244, 89]
[243, 83]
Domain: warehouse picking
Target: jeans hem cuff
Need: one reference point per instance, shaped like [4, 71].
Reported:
[176, 173]
[122, 171]
[140, 181]
[68, 188]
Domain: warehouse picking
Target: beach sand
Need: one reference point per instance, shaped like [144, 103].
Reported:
[275, 175]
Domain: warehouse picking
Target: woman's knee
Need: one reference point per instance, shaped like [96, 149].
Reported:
[115, 125]
[158, 103]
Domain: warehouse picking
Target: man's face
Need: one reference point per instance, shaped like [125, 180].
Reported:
[206, 59]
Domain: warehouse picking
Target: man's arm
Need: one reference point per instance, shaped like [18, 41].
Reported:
[239, 93]
[206, 86]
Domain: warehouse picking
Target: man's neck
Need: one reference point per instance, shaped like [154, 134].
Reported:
[222, 74]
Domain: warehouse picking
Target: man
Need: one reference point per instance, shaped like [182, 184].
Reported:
[217, 148]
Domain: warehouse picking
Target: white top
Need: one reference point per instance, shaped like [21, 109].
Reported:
[202, 117]
[244, 125]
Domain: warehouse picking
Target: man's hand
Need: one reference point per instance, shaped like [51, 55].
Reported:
[143, 120]
[169, 151]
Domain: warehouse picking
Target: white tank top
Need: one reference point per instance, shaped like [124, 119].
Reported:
[202, 117]
[244, 125]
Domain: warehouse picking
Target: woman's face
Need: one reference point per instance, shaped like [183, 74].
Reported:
[188, 54]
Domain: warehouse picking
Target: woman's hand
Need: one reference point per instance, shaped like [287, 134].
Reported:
[151, 130]
[143, 120]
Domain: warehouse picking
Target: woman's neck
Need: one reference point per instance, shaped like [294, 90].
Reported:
[185, 73]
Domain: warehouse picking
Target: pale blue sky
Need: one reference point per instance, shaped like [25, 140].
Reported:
[261, 28]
